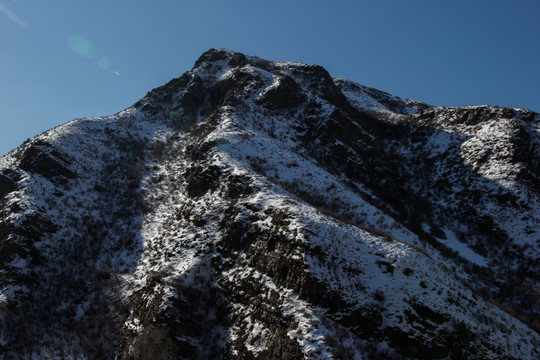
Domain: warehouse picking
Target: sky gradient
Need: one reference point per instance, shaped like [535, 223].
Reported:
[65, 59]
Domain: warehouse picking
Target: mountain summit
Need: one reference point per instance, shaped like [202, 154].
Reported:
[263, 209]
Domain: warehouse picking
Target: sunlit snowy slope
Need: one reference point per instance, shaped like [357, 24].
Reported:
[261, 209]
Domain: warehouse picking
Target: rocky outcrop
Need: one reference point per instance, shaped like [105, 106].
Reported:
[286, 94]
[41, 158]
[8, 182]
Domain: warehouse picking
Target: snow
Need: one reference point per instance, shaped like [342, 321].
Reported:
[466, 252]
[369, 99]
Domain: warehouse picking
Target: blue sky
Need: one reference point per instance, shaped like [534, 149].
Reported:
[64, 59]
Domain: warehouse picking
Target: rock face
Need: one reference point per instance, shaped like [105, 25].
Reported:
[259, 209]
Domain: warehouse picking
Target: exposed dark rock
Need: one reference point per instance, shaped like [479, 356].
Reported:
[211, 56]
[176, 84]
[238, 187]
[195, 95]
[41, 158]
[264, 307]
[232, 90]
[238, 60]
[327, 87]
[7, 182]
[413, 346]
[286, 94]
[32, 230]
[200, 181]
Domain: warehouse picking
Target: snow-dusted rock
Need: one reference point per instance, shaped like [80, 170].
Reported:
[259, 209]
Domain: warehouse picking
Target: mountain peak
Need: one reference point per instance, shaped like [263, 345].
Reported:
[263, 209]
[213, 55]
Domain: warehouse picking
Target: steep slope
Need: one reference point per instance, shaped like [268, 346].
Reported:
[258, 209]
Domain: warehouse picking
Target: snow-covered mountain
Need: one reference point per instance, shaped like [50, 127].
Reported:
[262, 209]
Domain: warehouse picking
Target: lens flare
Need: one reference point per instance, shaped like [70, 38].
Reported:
[17, 20]
[81, 46]
[104, 63]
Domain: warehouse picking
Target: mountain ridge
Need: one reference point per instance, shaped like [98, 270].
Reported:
[252, 208]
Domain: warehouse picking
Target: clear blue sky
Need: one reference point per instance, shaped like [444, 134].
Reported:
[64, 59]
